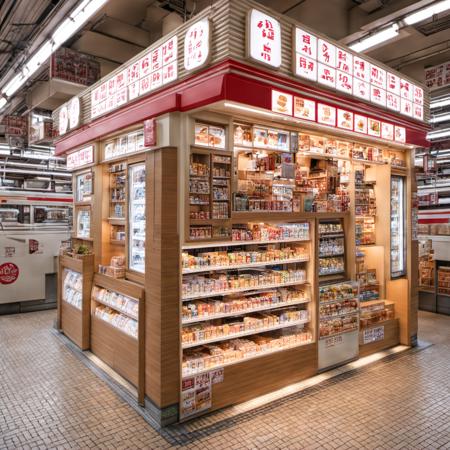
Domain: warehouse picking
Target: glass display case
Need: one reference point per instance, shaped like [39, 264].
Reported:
[84, 187]
[84, 223]
[136, 174]
[398, 230]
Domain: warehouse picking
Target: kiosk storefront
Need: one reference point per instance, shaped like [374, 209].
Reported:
[249, 207]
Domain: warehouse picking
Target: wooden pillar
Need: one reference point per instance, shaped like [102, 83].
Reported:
[162, 286]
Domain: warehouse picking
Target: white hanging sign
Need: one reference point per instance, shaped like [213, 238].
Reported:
[264, 38]
[197, 44]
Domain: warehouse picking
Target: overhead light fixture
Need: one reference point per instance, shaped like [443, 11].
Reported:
[438, 134]
[441, 118]
[80, 15]
[3, 102]
[375, 39]
[426, 13]
[440, 102]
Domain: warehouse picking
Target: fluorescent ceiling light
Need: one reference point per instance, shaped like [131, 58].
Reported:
[441, 118]
[65, 30]
[80, 16]
[438, 134]
[439, 103]
[426, 13]
[14, 84]
[375, 39]
[3, 102]
[38, 59]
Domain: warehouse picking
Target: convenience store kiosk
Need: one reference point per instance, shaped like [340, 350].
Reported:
[249, 205]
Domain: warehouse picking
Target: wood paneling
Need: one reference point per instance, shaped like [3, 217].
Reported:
[71, 323]
[116, 349]
[162, 279]
[75, 323]
[398, 292]
[246, 380]
[391, 338]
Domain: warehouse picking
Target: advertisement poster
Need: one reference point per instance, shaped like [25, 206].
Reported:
[35, 247]
[373, 335]
[9, 273]
[196, 392]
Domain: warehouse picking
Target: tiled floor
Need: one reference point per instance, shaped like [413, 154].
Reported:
[49, 399]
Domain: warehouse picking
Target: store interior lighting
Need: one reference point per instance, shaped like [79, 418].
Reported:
[81, 14]
[375, 39]
[428, 12]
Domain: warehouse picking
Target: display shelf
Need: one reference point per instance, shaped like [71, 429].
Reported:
[340, 300]
[245, 311]
[331, 235]
[246, 333]
[195, 245]
[248, 358]
[116, 327]
[246, 289]
[117, 308]
[331, 255]
[337, 334]
[337, 316]
[246, 266]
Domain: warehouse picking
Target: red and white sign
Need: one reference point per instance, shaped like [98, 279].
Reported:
[282, 103]
[361, 89]
[345, 119]
[437, 77]
[155, 69]
[344, 61]
[197, 44]
[80, 158]
[406, 89]
[393, 101]
[326, 53]
[417, 111]
[400, 134]
[74, 112]
[360, 123]
[326, 114]
[377, 76]
[406, 107]
[393, 83]
[361, 69]
[264, 38]
[305, 67]
[63, 120]
[377, 95]
[303, 108]
[387, 131]
[344, 82]
[316, 59]
[9, 273]
[374, 127]
[150, 132]
[305, 44]
[326, 75]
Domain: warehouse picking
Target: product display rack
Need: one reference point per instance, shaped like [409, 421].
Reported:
[291, 314]
[74, 284]
[332, 253]
[118, 345]
[117, 211]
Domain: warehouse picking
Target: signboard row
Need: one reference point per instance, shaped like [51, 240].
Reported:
[318, 60]
[437, 77]
[314, 58]
[325, 114]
